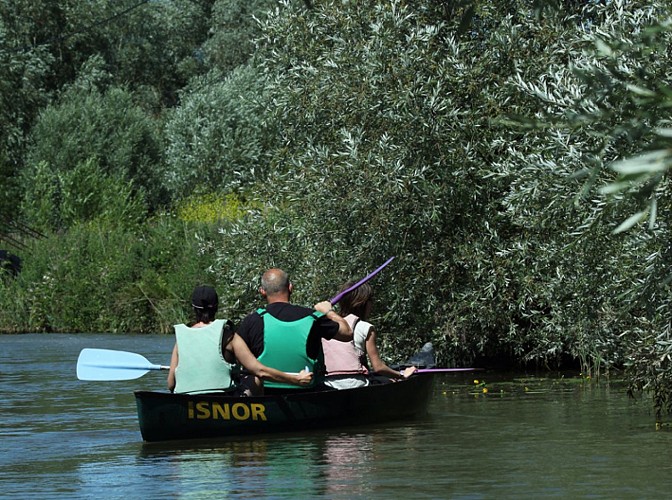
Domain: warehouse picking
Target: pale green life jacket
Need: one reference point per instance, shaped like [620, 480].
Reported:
[285, 346]
[201, 366]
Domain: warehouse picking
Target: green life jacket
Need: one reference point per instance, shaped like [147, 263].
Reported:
[285, 347]
[201, 366]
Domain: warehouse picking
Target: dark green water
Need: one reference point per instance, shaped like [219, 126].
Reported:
[528, 437]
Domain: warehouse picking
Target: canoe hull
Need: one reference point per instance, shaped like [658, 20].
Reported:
[164, 416]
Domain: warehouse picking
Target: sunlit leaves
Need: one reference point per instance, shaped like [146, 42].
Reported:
[631, 221]
[219, 136]
[646, 164]
[626, 81]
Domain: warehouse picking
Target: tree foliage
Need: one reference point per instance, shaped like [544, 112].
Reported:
[235, 26]
[393, 155]
[218, 136]
[104, 277]
[22, 94]
[504, 249]
[47, 45]
[107, 136]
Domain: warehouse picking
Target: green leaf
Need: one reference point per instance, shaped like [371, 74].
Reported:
[602, 48]
[615, 187]
[654, 213]
[636, 89]
[631, 221]
[648, 163]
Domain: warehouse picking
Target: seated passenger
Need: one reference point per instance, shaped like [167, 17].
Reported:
[205, 352]
[287, 336]
[346, 362]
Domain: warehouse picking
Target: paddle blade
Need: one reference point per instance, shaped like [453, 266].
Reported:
[106, 364]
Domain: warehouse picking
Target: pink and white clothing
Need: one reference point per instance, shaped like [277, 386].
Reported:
[345, 362]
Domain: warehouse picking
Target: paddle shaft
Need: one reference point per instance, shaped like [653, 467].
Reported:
[340, 295]
[448, 370]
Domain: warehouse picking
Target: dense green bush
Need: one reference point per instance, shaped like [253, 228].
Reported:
[234, 29]
[503, 252]
[84, 193]
[217, 138]
[369, 163]
[90, 131]
[606, 291]
[629, 87]
[46, 45]
[99, 277]
[541, 281]
[386, 156]
[21, 96]
[143, 44]
[155, 45]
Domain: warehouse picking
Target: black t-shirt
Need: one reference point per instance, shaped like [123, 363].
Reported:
[251, 329]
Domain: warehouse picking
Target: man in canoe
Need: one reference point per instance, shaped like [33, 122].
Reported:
[288, 336]
[204, 354]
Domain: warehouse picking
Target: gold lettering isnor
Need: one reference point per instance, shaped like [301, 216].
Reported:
[204, 410]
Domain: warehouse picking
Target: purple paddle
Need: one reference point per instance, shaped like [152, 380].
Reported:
[339, 296]
[448, 370]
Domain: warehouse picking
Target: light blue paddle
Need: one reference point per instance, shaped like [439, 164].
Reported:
[106, 364]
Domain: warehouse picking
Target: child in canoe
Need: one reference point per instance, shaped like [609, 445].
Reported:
[346, 363]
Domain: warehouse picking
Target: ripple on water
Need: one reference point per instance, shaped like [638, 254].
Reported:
[525, 437]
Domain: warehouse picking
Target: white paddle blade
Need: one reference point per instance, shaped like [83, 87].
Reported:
[107, 364]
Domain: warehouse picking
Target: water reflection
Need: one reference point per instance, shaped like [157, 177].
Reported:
[339, 465]
[250, 468]
[347, 461]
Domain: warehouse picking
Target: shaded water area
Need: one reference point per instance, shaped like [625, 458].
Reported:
[527, 437]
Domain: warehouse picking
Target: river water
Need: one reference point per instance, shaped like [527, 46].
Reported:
[527, 437]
